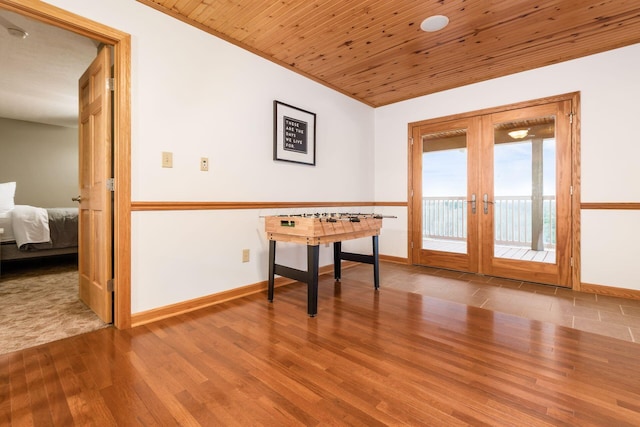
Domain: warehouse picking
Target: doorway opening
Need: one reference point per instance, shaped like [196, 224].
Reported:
[121, 256]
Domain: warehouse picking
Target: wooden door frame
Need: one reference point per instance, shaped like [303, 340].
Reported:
[121, 43]
[414, 175]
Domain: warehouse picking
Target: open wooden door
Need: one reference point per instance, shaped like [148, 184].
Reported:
[95, 148]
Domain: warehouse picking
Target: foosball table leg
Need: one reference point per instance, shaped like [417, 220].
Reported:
[376, 264]
[313, 259]
[272, 265]
[337, 264]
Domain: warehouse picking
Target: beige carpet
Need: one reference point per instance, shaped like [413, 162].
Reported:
[40, 306]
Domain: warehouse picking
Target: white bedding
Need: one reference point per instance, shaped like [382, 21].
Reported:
[7, 194]
[5, 223]
[30, 225]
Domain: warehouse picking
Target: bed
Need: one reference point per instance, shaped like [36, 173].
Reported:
[35, 232]
[32, 232]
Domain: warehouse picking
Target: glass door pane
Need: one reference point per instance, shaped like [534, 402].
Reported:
[525, 190]
[444, 191]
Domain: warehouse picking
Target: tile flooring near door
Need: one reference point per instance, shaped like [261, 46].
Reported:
[604, 315]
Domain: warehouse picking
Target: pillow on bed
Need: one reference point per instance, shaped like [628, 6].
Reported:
[7, 193]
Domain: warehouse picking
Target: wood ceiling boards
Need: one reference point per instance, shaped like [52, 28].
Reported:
[374, 50]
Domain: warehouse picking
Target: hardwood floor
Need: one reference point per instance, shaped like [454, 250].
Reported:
[605, 315]
[369, 358]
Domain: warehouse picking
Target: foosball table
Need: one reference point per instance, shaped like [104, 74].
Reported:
[313, 230]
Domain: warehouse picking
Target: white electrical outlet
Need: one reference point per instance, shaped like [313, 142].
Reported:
[204, 164]
[245, 255]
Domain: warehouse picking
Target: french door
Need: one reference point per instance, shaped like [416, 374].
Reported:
[492, 193]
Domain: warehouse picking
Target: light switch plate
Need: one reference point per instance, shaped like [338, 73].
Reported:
[167, 159]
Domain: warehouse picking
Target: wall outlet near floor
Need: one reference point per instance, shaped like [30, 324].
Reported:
[245, 255]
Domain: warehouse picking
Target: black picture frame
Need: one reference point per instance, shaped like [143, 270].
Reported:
[294, 134]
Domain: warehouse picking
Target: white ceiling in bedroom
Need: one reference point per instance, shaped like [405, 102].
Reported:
[39, 74]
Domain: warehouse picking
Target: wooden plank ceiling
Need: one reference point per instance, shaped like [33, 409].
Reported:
[375, 51]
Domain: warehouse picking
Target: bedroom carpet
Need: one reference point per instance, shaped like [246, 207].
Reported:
[41, 305]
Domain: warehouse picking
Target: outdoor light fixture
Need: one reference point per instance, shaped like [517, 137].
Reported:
[519, 134]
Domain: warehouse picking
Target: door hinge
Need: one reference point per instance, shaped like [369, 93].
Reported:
[411, 245]
[571, 117]
[571, 190]
[110, 285]
[111, 83]
[571, 261]
[111, 184]
[411, 141]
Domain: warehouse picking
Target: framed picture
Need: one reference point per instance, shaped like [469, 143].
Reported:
[294, 134]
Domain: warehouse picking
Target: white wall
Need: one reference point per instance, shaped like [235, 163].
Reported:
[610, 88]
[42, 160]
[198, 96]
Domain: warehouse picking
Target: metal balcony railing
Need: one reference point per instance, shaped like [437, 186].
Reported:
[445, 218]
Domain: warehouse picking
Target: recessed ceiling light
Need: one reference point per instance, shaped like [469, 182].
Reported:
[434, 23]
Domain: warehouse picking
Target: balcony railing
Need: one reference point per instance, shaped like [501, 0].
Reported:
[446, 218]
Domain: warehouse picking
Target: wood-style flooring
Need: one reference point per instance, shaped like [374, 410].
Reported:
[391, 357]
[606, 315]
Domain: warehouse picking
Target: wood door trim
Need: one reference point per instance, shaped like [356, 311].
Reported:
[576, 193]
[498, 109]
[121, 41]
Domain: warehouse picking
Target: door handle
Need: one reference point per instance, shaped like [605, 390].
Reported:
[77, 199]
[485, 202]
[473, 203]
